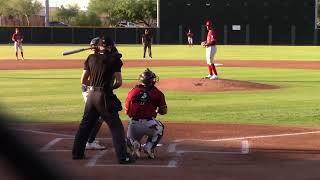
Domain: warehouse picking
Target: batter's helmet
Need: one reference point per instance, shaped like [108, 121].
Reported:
[148, 78]
[94, 41]
[209, 23]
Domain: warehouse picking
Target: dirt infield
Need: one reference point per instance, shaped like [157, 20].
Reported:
[189, 151]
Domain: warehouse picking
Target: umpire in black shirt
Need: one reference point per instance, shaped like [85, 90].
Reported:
[102, 71]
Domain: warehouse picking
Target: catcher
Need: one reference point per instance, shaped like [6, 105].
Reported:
[142, 105]
[92, 143]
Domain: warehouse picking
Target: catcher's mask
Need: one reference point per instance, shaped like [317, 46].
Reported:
[148, 78]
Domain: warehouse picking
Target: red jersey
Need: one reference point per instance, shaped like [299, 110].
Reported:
[211, 38]
[142, 103]
[190, 34]
[17, 37]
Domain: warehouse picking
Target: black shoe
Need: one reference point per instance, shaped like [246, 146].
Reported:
[127, 160]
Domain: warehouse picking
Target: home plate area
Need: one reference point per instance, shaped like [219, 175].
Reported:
[178, 153]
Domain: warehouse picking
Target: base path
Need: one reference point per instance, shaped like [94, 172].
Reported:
[68, 64]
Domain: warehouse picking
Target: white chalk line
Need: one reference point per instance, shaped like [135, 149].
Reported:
[249, 137]
[173, 162]
[42, 132]
[133, 165]
[92, 162]
[209, 152]
[50, 144]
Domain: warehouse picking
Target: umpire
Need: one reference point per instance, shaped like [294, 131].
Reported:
[104, 71]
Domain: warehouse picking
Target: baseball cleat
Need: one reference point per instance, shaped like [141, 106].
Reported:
[149, 150]
[94, 146]
[208, 76]
[127, 160]
[213, 77]
[150, 153]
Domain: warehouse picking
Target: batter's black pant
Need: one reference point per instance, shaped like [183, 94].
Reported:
[96, 106]
[145, 46]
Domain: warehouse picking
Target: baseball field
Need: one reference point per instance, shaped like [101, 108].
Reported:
[261, 119]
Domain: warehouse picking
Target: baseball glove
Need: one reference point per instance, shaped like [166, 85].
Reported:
[203, 43]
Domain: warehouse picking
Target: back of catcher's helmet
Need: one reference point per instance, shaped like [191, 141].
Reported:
[148, 77]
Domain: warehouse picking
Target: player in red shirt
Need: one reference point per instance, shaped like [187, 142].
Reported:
[142, 105]
[190, 38]
[211, 49]
[17, 38]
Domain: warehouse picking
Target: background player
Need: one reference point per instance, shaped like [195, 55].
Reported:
[142, 105]
[190, 38]
[146, 42]
[211, 49]
[17, 38]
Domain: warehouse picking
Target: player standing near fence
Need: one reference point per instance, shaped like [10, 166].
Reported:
[17, 38]
[146, 42]
[211, 49]
[190, 38]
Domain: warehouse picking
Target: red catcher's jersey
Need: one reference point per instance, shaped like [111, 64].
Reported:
[211, 38]
[142, 104]
[16, 37]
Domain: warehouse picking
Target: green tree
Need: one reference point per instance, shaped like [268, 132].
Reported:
[138, 11]
[27, 8]
[67, 14]
[19, 8]
[87, 19]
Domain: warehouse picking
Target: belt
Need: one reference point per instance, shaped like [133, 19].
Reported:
[139, 119]
[92, 88]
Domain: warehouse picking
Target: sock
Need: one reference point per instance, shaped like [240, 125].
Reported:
[210, 69]
[213, 67]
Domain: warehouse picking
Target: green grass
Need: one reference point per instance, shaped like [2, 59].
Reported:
[54, 96]
[179, 52]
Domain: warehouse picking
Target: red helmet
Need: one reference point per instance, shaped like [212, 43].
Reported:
[209, 23]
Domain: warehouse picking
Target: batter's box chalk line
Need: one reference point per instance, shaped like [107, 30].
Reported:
[245, 147]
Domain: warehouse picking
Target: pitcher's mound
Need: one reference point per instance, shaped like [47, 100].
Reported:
[206, 85]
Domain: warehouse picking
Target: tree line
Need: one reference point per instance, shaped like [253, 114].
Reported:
[99, 12]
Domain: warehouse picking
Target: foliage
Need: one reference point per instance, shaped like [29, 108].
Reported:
[19, 8]
[138, 11]
[67, 14]
[87, 19]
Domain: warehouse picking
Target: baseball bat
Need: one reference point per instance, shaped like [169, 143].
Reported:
[76, 51]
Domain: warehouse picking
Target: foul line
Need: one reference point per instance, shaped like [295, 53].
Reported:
[250, 137]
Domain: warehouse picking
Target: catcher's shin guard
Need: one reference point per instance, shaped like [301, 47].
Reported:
[155, 139]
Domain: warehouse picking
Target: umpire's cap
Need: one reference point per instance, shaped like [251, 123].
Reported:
[148, 77]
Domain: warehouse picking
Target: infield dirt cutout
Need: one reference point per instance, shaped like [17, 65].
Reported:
[190, 151]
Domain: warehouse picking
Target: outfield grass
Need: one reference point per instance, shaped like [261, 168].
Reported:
[54, 96]
[179, 52]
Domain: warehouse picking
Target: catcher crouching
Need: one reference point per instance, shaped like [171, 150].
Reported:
[142, 105]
